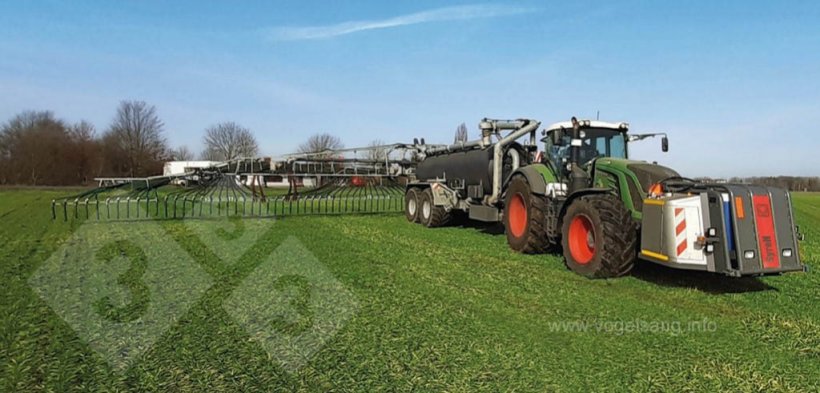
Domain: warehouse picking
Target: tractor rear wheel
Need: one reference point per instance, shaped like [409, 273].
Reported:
[411, 205]
[524, 221]
[599, 237]
[431, 215]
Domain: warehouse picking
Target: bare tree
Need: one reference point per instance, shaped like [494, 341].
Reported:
[229, 141]
[461, 134]
[85, 151]
[321, 142]
[182, 153]
[134, 142]
[33, 149]
[17, 152]
[377, 152]
[83, 130]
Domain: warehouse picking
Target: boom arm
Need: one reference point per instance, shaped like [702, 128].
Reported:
[640, 137]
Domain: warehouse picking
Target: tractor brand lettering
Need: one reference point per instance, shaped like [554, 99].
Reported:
[769, 253]
[765, 231]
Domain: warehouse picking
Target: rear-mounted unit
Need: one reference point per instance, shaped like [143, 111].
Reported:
[737, 230]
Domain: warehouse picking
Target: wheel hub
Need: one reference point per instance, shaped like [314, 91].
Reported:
[581, 239]
[517, 215]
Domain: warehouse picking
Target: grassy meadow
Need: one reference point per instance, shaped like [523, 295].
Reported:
[447, 309]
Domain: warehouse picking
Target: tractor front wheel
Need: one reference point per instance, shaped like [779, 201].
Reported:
[524, 218]
[599, 237]
[411, 205]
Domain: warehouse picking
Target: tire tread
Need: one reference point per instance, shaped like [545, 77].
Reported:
[620, 235]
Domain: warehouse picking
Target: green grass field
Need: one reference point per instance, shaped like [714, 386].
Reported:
[449, 309]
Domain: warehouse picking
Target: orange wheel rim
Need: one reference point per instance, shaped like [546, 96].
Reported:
[517, 215]
[581, 239]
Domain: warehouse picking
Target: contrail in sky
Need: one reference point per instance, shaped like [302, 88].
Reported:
[464, 12]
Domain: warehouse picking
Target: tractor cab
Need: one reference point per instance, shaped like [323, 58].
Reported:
[598, 139]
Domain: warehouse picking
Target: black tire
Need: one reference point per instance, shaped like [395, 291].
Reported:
[411, 205]
[524, 222]
[431, 215]
[599, 237]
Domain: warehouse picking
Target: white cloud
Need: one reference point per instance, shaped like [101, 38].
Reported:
[435, 15]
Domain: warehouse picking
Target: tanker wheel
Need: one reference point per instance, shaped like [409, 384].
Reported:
[411, 205]
[431, 215]
[599, 237]
[524, 221]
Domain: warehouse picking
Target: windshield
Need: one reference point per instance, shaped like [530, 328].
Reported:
[596, 143]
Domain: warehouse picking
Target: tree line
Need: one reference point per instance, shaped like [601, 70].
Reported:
[38, 148]
[791, 183]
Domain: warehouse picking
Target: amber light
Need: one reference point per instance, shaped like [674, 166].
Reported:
[739, 208]
[656, 189]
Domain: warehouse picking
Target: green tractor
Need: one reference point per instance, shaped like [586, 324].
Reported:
[584, 196]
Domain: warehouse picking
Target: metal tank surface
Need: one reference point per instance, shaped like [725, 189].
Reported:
[470, 167]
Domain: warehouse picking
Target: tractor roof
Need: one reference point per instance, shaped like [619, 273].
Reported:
[592, 124]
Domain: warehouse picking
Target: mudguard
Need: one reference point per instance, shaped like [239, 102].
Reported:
[537, 175]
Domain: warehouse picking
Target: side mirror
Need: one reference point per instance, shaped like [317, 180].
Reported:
[665, 144]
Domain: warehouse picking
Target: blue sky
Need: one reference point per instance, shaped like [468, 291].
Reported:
[736, 84]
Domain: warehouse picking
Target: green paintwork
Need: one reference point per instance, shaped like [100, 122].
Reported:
[611, 173]
[608, 169]
[546, 172]
[538, 175]
[605, 180]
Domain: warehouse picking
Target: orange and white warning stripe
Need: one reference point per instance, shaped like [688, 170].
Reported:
[680, 230]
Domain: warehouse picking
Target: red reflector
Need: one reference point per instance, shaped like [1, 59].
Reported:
[765, 231]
